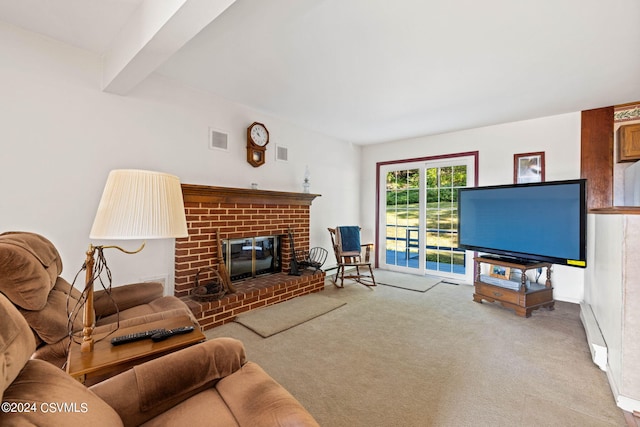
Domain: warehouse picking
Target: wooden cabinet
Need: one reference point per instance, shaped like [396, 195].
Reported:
[596, 156]
[522, 297]
[629, 143]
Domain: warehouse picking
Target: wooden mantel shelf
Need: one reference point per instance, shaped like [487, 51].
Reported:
[209, 194]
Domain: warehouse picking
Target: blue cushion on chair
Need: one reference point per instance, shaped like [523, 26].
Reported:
[349, 238]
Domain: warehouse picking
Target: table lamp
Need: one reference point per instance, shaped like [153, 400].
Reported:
[135, 205]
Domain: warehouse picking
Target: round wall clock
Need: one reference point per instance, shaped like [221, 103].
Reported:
[257, 140]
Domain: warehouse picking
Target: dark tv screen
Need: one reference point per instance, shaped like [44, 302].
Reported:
[537, 222]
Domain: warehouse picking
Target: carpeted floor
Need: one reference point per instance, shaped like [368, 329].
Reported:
[394, 357]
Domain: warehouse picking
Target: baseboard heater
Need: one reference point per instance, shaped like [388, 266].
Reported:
[597, 345]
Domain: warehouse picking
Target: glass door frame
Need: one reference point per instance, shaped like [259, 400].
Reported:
[415, 163]
[382, 220]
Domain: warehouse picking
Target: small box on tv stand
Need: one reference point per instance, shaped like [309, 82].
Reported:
[503, 283]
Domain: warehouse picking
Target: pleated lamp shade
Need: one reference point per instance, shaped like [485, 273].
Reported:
[139, 204]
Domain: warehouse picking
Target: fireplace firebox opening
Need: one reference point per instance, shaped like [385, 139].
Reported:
[250, 257]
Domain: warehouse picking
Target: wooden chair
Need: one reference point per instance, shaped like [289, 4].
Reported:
[348, 250]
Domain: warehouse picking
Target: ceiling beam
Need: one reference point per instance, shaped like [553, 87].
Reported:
[152, 35]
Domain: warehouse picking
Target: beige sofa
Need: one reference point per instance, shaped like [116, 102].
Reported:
[209, 384]
[30, 268]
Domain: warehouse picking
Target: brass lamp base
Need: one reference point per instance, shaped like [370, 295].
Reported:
[89, 314]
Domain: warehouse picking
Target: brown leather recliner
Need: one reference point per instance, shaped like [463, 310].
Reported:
[209, 384]
[30, 268]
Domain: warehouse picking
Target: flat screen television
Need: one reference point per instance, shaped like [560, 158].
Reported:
[543, 222]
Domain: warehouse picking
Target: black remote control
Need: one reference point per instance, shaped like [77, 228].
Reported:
[163, 335]
[123, 339]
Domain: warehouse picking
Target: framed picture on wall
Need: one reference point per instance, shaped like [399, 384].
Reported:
[528, 167]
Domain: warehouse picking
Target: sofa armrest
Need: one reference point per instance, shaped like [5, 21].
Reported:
[126, 296]
[115, 325]
[255, 399]
[155, 386]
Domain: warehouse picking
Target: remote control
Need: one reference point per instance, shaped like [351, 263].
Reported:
[163, 335]
[123, 339]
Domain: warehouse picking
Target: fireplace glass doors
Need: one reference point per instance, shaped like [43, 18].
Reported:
[250, 257]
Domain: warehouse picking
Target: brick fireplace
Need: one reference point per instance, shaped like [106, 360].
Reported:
[230, 213]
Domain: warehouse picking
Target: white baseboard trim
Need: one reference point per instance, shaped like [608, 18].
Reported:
[596, 342]
[625, 403]
[598, 348]
[567, 299]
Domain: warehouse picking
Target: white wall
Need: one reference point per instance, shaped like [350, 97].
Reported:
[558, 136]
[60, 136]
[612, 292]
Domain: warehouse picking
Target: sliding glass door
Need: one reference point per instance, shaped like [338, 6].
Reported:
[441, 211]
[419, 215]
[402, 217]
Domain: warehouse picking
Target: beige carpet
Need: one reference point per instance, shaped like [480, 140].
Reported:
[271, 320]
[395, 358]
[407, 281]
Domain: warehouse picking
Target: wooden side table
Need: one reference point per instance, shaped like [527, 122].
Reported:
[107, 360]
[524, 300]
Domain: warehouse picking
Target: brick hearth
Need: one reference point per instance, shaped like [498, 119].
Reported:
[229, 213]
[255, 293]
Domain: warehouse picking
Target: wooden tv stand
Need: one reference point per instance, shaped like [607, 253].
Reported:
[524, 300]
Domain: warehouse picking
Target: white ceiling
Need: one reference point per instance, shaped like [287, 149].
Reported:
[366, 71]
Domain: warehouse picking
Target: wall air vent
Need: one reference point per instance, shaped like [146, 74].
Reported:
[218, 140]
[282, 153]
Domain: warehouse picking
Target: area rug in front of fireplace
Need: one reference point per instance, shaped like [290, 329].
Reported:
[271, 320]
